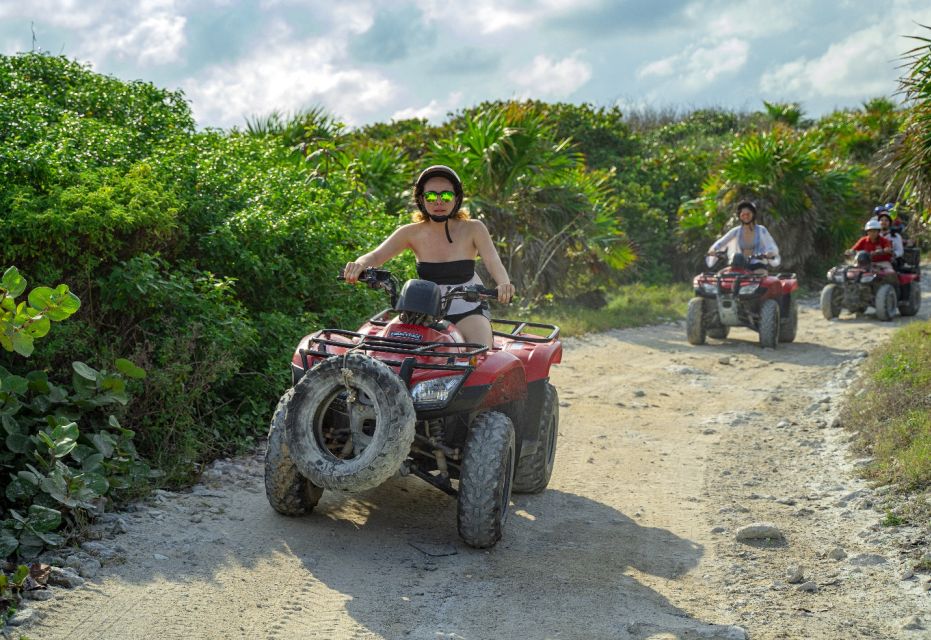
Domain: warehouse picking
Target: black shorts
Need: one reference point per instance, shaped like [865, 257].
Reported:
[480, 310]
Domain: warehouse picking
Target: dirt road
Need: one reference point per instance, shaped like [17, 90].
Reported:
[665, 452]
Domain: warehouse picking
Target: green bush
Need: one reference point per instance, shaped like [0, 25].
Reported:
[54, 470]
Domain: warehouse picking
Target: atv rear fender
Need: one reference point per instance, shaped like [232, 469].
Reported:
[537, 358]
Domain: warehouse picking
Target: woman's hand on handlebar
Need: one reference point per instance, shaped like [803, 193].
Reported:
[352, 271]
[505, 292]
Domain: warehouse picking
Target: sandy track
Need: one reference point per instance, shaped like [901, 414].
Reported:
[665, 450]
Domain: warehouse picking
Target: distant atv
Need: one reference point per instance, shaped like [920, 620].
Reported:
[860, 285]
[405, 394]
[737, 297]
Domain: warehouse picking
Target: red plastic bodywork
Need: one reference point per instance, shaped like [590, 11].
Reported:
[775, 287]
[506, 369]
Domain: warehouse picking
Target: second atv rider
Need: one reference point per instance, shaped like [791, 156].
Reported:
[445, 242]
[750, 239]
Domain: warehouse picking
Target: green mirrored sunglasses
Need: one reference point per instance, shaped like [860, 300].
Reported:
[444, 196]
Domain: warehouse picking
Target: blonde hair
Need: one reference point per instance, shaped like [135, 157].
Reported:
[418, 216]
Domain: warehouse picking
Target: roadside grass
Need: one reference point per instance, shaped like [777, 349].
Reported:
[631, 305]
[891, 411]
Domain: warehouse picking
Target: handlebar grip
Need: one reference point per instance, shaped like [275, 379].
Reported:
[485, 291]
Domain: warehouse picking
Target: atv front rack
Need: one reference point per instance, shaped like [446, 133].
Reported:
[410, 349]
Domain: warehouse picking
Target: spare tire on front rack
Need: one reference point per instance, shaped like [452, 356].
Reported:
[350, 425]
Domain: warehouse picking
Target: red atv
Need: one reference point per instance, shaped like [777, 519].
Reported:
[405, 394]
[737, 297]
[861, 285]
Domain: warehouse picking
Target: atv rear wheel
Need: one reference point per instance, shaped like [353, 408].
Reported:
[886, 302]
[788, 326]
[769, 324]
[485, 479]
[354, 439]
[534, 471]
[912, 305]
[288, 492]
[695, 321]
[831, 297]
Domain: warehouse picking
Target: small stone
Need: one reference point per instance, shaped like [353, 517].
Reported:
[68, 578]
[39, 594]
[786, 501]
[867, 560]
[759, 531]
[795, 574]
[197, 517]
[808, 587]
[718, 529]
[837, 553]
[98, 549]
[908, 574]
[89, 568]
[782, 424]
[913, 624]
[639, 393]
[724, 360]
[708, 432]
[160, 557]
[22, 617]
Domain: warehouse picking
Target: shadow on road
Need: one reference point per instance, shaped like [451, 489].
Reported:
[568, 567]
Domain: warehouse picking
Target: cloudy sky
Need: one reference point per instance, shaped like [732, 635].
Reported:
[376, 60]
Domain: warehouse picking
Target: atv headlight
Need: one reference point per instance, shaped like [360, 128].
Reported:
[435, 392]
[749, 289]
[867, 277]
[710, 287]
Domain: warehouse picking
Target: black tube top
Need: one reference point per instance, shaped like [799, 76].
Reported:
[453, 272]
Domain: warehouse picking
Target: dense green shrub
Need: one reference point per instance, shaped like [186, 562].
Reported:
[53, 470]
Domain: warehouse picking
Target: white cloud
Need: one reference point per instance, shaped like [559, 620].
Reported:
[433, 111]
[287, 77]
[148, 32]
[753, 18]
[548, 78]
[493, 16]
[699, 66]
[861, 65]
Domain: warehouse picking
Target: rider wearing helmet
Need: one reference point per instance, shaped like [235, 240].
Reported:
[446, 243]
[891, 234]
[879, 248]
[750, 239]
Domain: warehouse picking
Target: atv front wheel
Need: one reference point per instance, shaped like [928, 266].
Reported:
[719, 333]
[788, 326]
[485, 479]
[534, 471]
[831, 297]
[912, 305]
[695, 322]
[769, 324]
[886, 302]
[288, 492]
[350, 439]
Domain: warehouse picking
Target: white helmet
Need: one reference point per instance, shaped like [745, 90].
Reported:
[872, 224]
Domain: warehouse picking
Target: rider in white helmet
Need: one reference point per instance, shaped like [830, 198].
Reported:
[879, 248]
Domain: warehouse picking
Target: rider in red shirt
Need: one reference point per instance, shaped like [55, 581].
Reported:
[879, 248]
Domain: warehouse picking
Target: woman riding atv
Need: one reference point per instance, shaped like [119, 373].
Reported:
[750, 239]
[445, 242]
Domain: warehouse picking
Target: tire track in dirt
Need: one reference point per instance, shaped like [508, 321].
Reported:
[659, 444]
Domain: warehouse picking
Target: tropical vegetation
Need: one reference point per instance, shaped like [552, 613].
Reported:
[199, 257]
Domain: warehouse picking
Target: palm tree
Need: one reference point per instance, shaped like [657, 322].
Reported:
[809, 201]
[551, 219]
[910, 157]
